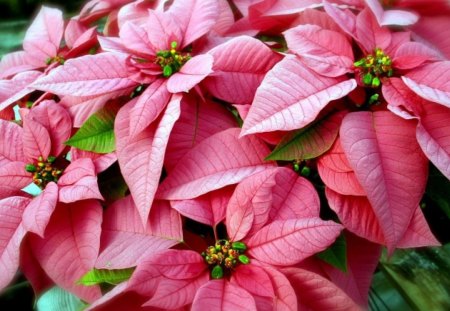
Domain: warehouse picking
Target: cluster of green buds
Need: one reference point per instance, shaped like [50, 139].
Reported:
[373, 67]
[300, 167]
[44, 171]
[171, 60]
[225, 256]
[55, 59]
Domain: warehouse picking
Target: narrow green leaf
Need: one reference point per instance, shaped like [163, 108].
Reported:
[56, 299]
[422, 276]
[309, 142]
[99, 276]
[336, 254]
[97, 133]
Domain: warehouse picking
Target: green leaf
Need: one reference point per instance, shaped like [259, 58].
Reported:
[97, 133]
[421, 276]
[99, 276]
[336, 254]
[309, 142]
[56, 299]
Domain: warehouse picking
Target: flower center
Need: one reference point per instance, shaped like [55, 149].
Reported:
[56, 59]
[372, 68]
[224, 256]
[171, 61]
[44, 171]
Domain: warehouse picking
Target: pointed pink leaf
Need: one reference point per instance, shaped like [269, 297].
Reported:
[302, 237]
[56, 120]
[253, 279]
[11, 147]
[125, 242]
[70, 247]
[285, 297]
[319, 18]
[225, 19]
[388, 162]
[291, 96]
[249, 206]
[32, 270]
[73, 31]
[433, 135]
[101, 161]
[77, 170]
[433, 129]
[40, 209]
[135, 39]
[16, 88]
[412, 54]
[369, 34]
[191, 74]
[165, 221]
[222, 295]
[198, 121]
[431, 81]
[195, 18]
[170, 277]
[418, 233]
[173, 294]
[14, 63]
[36, 140]
[288, 7]
[344, 18]
[240, 65]
[329, 51]
[362, 260]
[318, 293]
[88, 75]
[391, 17]
[43, 38]
[136, 11]
[79, 182]
[81, 108]
[112, 44]
[356, 215]
[294, 197]
[149, 106]
[164, 30]
[425, 31]
[11, 210]
[141, 157]
[83, 43]
[209, 208]
[213, 164]
[13, 177]
[337, 173]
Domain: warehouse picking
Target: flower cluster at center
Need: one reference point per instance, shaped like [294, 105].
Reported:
[373, 68]
[225, 256]
[44, 171]
[171, 60]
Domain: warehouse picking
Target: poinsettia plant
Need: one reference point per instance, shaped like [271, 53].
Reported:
[221, 155]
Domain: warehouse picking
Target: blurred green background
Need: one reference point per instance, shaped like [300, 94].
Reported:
[16, 15]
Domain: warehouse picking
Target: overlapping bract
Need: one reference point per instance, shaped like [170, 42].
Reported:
[214, 100]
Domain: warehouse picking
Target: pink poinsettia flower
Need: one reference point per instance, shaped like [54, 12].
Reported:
[34, 153]
[43, 50]
[272, 222]
[390, 66]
